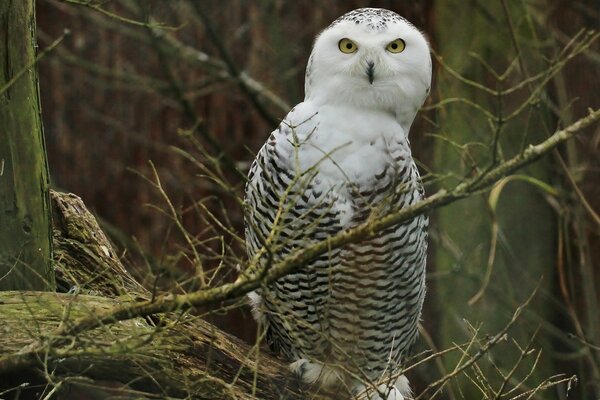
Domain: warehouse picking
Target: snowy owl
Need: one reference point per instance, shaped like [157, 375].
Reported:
[338, 160]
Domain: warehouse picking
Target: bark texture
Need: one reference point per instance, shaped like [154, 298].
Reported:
[25, 236]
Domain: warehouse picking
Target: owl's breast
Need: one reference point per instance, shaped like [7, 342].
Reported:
[344, 143]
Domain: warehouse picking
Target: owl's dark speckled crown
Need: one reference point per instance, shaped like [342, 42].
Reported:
[373, 18]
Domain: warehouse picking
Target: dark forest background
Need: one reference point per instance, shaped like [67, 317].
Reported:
[118, 97]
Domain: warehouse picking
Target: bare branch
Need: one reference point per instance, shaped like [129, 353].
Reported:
[256, 275]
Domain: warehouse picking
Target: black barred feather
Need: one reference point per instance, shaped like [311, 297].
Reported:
[340, 159]
[359, 305]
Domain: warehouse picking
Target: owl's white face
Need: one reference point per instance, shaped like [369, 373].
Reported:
[371, 58]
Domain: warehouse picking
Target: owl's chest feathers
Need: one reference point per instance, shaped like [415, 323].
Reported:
[344, 144]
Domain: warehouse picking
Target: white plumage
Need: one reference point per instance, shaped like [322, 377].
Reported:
[339, 158]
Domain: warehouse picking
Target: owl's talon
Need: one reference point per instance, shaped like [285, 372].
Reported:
[400, 390]
[312, 372]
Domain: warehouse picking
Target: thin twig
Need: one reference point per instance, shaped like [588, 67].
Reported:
[232, 67]
[47, 50]
[119, 18]
[483, 350]
[199, 125]
[586, 205]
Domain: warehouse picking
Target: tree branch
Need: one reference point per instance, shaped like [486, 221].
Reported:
[255, 276]
[178, 355]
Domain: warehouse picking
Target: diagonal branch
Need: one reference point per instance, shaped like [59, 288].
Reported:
[232, 67]
[47, 50]
[256, 275]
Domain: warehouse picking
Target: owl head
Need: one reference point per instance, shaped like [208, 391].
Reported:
[371, 58]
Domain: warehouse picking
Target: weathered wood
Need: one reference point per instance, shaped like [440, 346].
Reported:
[169, 355]
[85, 258]
[25, 235]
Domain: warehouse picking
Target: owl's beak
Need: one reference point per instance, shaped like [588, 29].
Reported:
[371, 71]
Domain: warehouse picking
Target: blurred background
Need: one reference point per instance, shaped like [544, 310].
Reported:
[187, 91]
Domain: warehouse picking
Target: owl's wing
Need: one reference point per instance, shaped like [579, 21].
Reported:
[288, 208]
[357, 296]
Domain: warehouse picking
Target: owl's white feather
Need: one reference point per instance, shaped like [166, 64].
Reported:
[340, 157]
[401, 80]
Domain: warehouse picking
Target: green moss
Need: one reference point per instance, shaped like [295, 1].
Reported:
[25, 227]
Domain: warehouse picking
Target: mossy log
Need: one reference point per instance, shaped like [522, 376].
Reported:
[170, 355]
[176, 358]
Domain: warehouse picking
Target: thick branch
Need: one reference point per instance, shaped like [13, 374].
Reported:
[179, 355]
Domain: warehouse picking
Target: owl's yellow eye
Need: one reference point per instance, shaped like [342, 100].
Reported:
[397, 46]
[347, 46]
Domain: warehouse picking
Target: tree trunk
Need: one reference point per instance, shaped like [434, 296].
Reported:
[176, 355]
[483, 278]
[25, 227]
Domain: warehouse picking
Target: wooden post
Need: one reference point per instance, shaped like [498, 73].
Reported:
[25, 226]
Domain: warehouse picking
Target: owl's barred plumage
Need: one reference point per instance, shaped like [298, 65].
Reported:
[339, 159]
